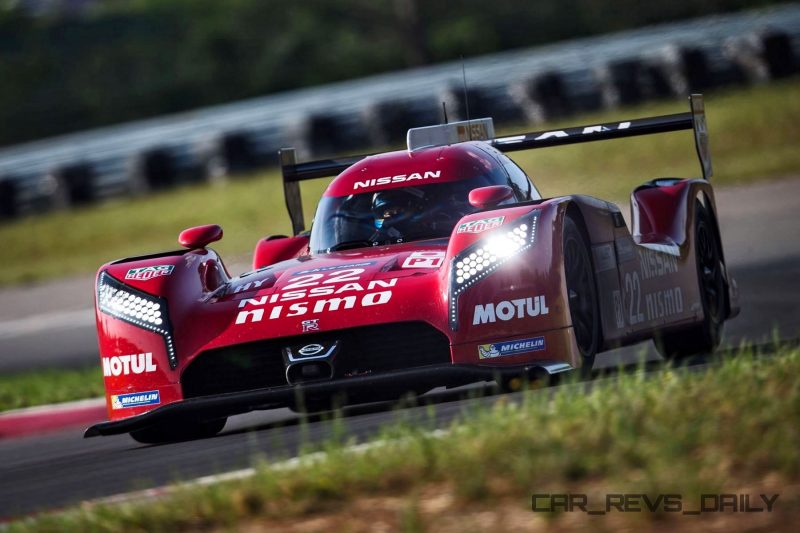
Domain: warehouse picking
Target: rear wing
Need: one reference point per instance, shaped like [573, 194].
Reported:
[294, 172]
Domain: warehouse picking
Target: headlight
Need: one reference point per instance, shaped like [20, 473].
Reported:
[138, 308]
[487, 255]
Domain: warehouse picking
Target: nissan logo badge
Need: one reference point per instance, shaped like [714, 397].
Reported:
[310, 349]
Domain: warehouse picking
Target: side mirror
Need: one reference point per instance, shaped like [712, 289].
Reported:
[490, 196]
[200, 236]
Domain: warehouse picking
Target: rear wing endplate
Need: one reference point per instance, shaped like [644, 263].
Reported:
[294, 172]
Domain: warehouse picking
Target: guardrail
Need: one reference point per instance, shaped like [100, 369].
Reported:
[533, 85]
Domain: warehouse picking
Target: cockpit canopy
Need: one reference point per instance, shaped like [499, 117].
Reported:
[410, 196]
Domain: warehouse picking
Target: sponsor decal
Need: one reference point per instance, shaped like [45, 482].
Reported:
[310, 325]
[481, 225]
[572, 132]
[297, 288]
[657, 304]
[432, 259]
[400, 178]
[663, 304]
[654, 264]
[474, 131]
[310, 349]
[502, 349]
[604, 257]
[322, 305]
[135, 399]
[147, 273]
[508, 310]
[303, 292]
[334, 267]
[587, 130]
[307, 292]
[253, 285]
[125, 365]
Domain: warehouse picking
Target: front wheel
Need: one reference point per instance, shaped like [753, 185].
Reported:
[702, 338]
[582, 294]
[178, 430]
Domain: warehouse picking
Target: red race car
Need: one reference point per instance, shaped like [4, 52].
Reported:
[438, 265]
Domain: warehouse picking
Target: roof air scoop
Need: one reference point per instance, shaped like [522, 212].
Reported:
[479, 129]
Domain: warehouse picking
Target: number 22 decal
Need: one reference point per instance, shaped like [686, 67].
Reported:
[310, 280]
[633, 295]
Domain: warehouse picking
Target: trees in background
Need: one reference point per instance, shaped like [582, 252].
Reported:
[139, 58]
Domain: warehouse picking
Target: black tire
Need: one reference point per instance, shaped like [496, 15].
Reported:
[582, 294]
[704, 337]
[178, 430]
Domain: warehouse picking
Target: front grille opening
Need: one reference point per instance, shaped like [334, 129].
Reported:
[364, 350]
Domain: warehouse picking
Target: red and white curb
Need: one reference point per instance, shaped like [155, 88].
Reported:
[47, 418]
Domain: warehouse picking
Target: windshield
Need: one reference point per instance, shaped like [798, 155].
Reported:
[396, 215]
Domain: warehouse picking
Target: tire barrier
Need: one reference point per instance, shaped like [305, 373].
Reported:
[696, 69]
[620, 83]
[536, 85]
[551, 92]
[75, 185]
[542, 97]
[746, 54]
[153, 170]
[238, 152]
[330, 134]
[487, 101]
[8, 199]
[389, 121]
[780, 57]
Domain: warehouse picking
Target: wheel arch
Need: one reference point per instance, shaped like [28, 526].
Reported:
[594, 219]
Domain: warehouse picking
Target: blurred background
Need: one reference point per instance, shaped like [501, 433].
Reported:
[124, 121]
[207, 88]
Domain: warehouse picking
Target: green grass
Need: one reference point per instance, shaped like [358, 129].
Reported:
[40, 387]
[732, 428]
[755, 133]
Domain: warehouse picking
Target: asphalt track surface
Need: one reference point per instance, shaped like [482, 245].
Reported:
[51, 471]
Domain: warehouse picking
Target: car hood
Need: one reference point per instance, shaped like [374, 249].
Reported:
[339, 269]
[328, 292]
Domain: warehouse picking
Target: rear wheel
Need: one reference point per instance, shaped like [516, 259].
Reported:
[704, 337]
[178, 430]
[582, 294]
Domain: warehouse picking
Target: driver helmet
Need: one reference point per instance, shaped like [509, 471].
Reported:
[394, 207]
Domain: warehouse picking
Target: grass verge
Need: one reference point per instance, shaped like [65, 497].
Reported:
[40, 387]
[731, 429]
[754, 134]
